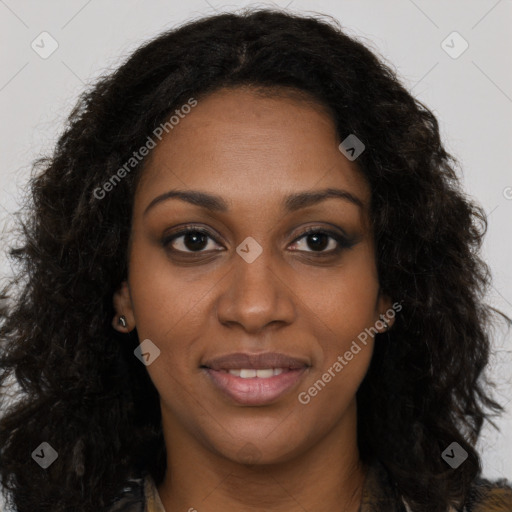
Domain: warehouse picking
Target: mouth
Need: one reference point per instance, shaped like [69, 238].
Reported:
[255, 379]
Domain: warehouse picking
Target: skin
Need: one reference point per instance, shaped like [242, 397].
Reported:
[254, 151]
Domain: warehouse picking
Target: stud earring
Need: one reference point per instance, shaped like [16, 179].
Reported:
[122, 321]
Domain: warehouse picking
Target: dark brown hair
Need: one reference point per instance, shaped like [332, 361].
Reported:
[82, 389]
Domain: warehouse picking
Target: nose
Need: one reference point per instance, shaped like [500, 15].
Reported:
[256, 294]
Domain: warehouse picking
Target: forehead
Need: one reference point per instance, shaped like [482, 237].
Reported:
[252, 147]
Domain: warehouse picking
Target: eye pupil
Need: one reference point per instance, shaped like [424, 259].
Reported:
[318, 245]
[195, 240]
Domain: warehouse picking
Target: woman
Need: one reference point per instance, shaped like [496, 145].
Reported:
[249, 281]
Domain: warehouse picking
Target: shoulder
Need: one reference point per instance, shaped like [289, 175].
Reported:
[490, 496]
[484, 495]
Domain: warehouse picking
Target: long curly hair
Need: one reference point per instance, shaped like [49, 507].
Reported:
[79, 386]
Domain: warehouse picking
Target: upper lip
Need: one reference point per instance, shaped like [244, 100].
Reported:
[255, 361]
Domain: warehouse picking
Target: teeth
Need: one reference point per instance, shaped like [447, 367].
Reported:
[265, 374]
[249, 373]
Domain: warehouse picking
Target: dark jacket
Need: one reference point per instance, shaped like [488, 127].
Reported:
[379, 495]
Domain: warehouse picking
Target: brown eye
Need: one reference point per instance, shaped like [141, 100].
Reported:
[188, 240]
[320, 239]
[196, 240]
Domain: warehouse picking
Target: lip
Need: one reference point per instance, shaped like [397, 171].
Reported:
[255, 391]
[256, 361]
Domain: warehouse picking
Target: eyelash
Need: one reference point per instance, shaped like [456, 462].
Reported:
[343, 242]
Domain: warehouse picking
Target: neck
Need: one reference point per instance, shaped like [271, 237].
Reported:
[328, 476]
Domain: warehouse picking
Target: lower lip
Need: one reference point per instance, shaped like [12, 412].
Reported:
[255, 391]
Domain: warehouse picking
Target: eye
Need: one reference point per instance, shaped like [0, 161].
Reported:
[194, 239]
[320, 239]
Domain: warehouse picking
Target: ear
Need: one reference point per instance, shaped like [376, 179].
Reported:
[385, 313]
[123, 307]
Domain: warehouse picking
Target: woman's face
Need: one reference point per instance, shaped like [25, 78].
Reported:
[251, 282]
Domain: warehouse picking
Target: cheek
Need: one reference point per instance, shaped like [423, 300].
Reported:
[165, 312]
[342, 361]
[161, 296]
[345, 299]
[342, 312]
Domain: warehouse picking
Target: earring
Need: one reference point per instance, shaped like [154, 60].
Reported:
[122, 321]
[383, 318]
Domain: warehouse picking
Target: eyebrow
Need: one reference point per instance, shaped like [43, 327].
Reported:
[291, 203]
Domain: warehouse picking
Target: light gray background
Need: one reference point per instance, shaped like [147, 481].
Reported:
[471, 96]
